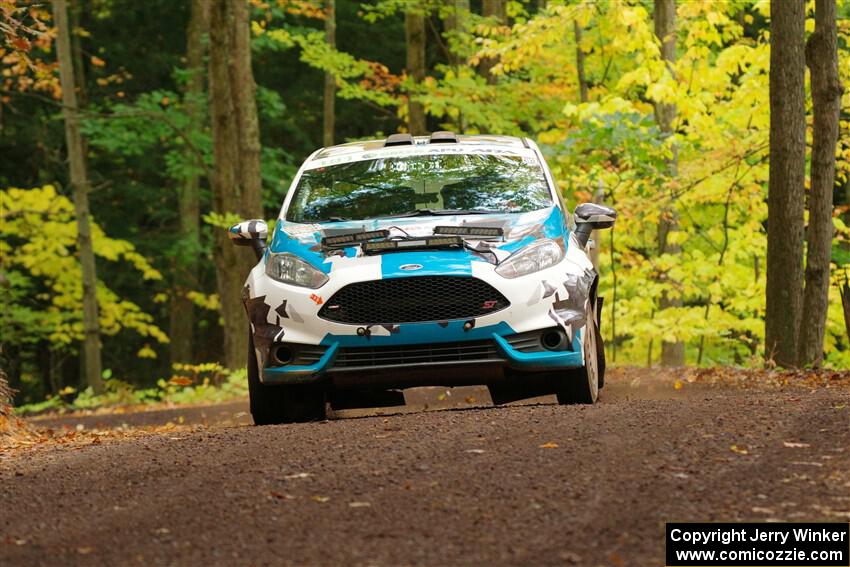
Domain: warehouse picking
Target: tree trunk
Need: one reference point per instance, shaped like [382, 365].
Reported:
[496, 9]
[329, 115]
[188, 197]
[582, 81]
[672, 354]
[414, 28]
[844, 291]
[599, 194]
[598, 197]
[75, 14]
[455, 22]
[245, 103]
[236, 152]
[787, 176]
[5, 396]
[822, 59]
[80, 186]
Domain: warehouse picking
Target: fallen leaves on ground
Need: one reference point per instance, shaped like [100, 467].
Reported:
[295, 476]
[681, 378]
[739, 450]
[21, 436]
[14, 432]
[549, 445]
[748, 377]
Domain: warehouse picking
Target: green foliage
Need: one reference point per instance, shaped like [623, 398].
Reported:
[42, 295]
[155, 121]
[356, 78]
[192, 385]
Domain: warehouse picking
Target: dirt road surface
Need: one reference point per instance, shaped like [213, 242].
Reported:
[533, 484]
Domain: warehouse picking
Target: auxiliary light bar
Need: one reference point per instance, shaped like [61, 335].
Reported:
[411, 244]
[353, 238]
[469, 230]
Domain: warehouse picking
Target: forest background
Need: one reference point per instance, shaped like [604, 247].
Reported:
[661, 109]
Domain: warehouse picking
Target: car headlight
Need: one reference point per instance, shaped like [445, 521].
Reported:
[533, 258]
[293, 270]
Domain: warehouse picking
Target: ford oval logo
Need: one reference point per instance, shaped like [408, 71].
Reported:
[410, 267]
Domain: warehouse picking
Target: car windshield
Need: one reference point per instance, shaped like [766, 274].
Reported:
[420, 184]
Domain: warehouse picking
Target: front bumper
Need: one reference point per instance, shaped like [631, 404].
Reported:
[497, 352]
[285, 314]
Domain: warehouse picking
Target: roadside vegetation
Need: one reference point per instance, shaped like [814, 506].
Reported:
[193, 385]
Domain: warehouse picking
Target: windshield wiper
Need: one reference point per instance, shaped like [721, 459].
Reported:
[440, 213]
[332, 219]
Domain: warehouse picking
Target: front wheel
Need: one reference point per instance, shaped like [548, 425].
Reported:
[581, 385]
[275, 404]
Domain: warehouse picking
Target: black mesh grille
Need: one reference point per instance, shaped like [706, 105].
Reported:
[408, 300]
[358, 357]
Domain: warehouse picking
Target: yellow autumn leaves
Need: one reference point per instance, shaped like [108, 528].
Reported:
[38, 242]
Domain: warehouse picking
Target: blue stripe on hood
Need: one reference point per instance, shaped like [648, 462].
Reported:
[433, 262]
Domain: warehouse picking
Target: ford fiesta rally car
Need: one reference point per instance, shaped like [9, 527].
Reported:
[443, 260]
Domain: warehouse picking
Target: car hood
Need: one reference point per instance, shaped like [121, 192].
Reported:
[520, 229]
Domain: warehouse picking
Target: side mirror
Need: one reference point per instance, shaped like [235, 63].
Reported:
[590, 217]
[250, 233]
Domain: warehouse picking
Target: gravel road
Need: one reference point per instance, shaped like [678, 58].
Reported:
[533, 484]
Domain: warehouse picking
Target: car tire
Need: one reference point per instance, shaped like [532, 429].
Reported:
[581, 385]
[276, 404]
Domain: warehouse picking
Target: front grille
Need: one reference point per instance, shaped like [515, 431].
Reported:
[469, 351]
[413, 299]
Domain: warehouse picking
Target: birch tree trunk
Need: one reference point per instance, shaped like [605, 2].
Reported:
[236, 152]
[672, 353]
[414, 28]
[80, 186]
[787, 176]
[329, 114]
[822, 59]
[188, 197]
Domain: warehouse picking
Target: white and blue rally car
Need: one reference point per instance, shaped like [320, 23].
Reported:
[443, 260]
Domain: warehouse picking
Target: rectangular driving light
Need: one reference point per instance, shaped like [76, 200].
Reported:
[484, 231]
[353, 238]
[412, 244]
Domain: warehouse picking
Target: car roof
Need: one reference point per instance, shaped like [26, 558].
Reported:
[476, 141]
